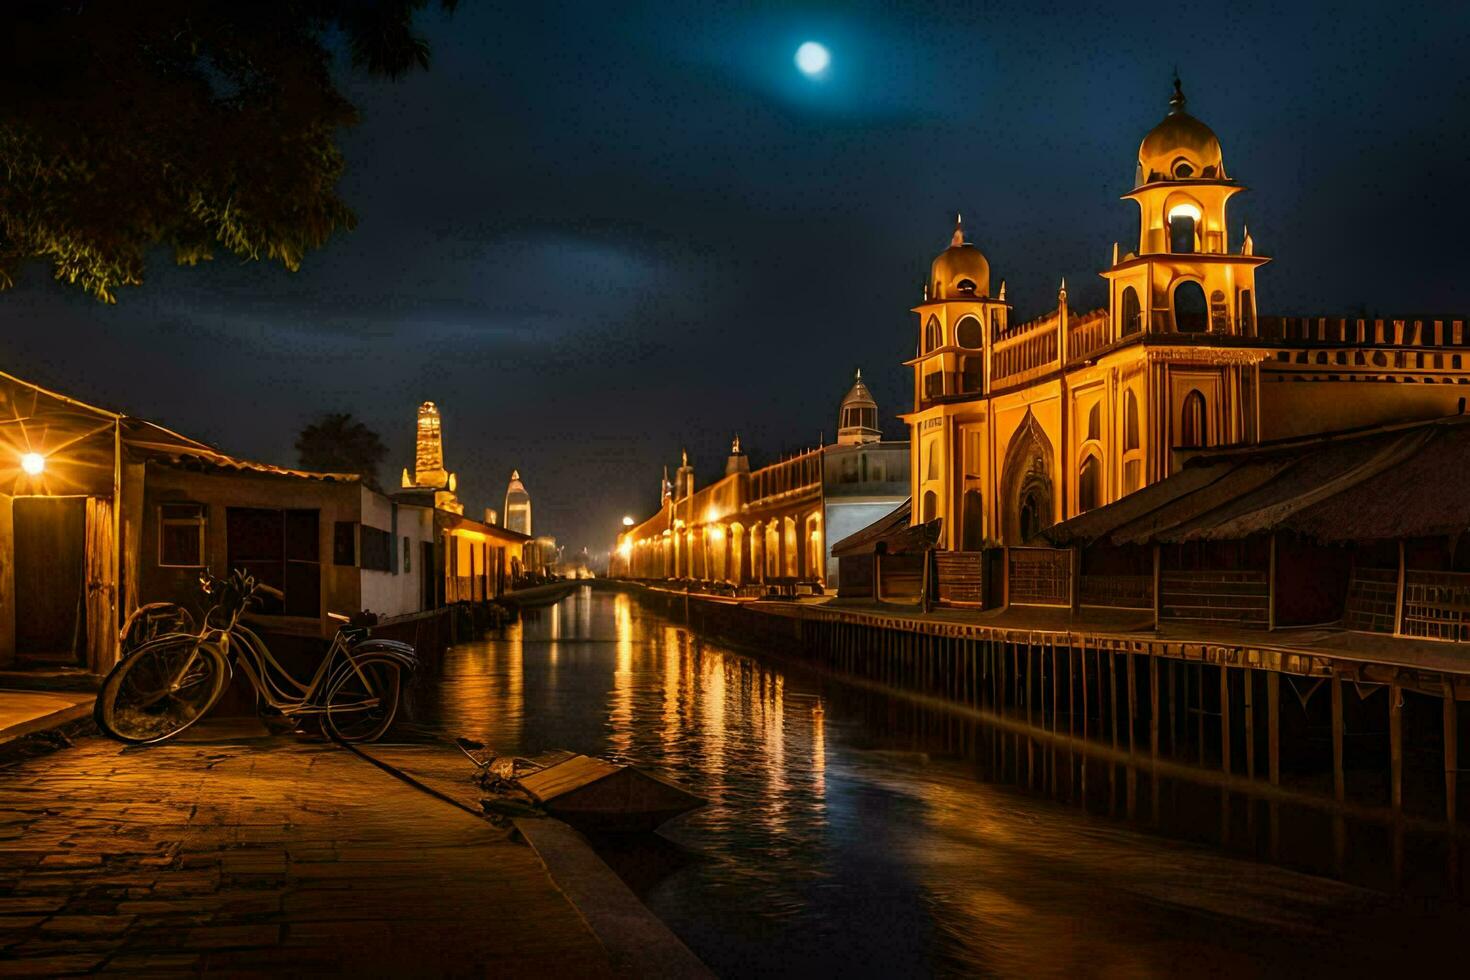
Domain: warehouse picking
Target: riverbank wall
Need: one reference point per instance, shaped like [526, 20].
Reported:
[1369, 735]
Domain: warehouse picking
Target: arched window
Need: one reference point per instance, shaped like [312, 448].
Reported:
[1089, 484]
[973, 522]
[1192, 426]
[1094, 422]
[1132, 317]
[1247, 314]
[1191, 314]
[931, 506]
[969, 333]
[1183, 220]
[1130, 421]
[933, 336]
[966, 287]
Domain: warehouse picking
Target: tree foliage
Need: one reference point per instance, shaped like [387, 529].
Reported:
[202, 126]
[336, 443]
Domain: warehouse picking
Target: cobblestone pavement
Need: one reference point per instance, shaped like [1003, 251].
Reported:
[264, 855]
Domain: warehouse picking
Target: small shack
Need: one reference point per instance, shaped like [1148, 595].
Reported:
[1369, 529]
[886, 560]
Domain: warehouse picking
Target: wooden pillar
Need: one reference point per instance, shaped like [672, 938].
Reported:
[1396, 744]
[1451, 751]
[1153, 707]
[1173, 711]
[1225, 719]
[1339, 790]
[1054, 686]
[1273, 727]
[1199, 714]
[1249, 675]
[1132, 701]
[1082, 657]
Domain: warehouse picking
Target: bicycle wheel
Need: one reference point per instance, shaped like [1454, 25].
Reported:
[362, 701]
[161, 689]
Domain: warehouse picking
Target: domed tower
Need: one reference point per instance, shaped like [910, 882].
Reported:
[857, 420]
[1183, 278]
[517, 505]
[957, 321]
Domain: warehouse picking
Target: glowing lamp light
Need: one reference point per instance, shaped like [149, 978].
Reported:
[627, 522]
[33, 463]
[812, 58]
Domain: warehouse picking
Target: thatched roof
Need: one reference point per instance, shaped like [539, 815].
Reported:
[1386, 483]
[893, 532]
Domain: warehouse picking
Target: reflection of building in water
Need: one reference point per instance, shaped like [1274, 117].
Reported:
[772, 524]
[1017, 426]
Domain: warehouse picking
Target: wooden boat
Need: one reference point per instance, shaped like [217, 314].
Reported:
[599, 797]
[541, 595]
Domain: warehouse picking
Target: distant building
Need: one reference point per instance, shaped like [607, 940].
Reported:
[773, 525]
[517, 505]
[428, 468]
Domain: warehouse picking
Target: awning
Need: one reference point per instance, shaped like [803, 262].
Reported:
[1381, 484]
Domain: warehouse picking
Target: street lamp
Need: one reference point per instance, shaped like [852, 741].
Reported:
[627, 521]
[33, 463]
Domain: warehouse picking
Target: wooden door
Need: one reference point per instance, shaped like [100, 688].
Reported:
[50, 578]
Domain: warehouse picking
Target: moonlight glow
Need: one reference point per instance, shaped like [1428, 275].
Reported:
[812, 58]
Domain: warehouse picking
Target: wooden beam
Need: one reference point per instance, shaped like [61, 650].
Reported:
[1273, 727]
[1249, 675]
[1153, 707]
[1451, 751]
[1132, 701]
[1225, 719]
[1339, 789]
[1398, 606]
[1396, 744]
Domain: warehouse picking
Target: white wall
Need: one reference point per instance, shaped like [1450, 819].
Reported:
[400, 591]
[847, 517]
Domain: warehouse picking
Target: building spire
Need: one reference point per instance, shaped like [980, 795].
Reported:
[860, 374]
[1177, 102]
[684, 456]
[735, 446]
[958, 238]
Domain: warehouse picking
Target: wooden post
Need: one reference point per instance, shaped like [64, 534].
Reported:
[1339, 790]
[1173, 712]
[1451, 750]
[1153, 707]
[1082, 656]
[1113, 693]
[1273, 728]
[1158, 579]
[1054, 686]
[1398, 606]
[1396, 744]
[1249, 675]
[1132, 701]
[1225, 719]
[1271, 585]
[1199, 715]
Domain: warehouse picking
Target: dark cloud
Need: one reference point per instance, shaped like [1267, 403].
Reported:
[595, 236]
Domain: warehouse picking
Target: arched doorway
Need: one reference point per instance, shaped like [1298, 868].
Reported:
[1191, 312]
[972, 521]
[1026, 483]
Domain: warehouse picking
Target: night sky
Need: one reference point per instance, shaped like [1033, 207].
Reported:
[595, 236]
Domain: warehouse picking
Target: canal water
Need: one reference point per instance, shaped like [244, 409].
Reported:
[849, 832]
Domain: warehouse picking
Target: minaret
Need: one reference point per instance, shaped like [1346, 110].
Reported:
[738, 461]
[1183, 278]
[684, 479]
[857, 419]
[665, 488]
[428, 462]
[517, 505]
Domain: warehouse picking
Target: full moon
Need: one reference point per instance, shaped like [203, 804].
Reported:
[812, 58]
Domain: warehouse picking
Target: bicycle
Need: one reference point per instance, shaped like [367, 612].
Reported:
[168, 683]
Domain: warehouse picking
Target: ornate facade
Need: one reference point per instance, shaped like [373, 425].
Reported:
[428, 462]
[1015, 427]
[774, 524]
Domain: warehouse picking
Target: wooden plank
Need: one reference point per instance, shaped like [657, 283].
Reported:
[1132, 701]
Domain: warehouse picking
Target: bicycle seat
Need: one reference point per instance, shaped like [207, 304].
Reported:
[353, 635]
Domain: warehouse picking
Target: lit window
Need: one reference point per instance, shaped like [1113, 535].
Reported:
[181, 535]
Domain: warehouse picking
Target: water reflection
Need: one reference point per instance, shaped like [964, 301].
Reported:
[851, 832]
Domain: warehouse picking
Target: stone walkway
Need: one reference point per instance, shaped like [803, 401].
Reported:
[264, 855]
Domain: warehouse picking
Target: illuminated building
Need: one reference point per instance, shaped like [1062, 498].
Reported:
[428, 464]
[772, 525]
[517, 505]
[1017, 426]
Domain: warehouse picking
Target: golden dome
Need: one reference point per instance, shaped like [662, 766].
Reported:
[1180, 148]
[960, 270]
